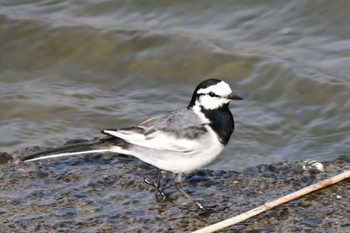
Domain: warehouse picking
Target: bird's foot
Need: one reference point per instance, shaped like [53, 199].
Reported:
[159, 194]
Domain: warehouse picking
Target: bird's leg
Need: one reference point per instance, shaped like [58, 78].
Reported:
[158, 188]
[159, 192]
[178, 185]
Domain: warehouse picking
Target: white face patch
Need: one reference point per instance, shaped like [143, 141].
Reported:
[214, 96]
[220, 89]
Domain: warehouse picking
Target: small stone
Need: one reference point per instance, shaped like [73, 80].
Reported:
[21, 170]
[251, 171]
[313, 166]
[66, 212]
[5, 157]
[312, 222]
[41, 174]
[73, 176]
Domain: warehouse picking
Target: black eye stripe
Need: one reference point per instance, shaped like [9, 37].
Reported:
[212, 94]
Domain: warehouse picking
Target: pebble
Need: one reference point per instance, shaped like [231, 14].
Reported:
[312, 222]
[313, 166]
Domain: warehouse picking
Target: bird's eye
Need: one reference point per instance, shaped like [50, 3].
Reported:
[212, 94]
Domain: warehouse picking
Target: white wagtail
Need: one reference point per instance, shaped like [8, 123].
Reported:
[180, 141]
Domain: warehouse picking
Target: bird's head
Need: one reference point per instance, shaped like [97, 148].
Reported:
[212, 94]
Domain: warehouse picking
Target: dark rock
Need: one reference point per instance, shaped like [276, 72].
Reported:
[66, 212]
[312, 222]
[251, 171]
[41, 174]
[5, 157]
[75, 141]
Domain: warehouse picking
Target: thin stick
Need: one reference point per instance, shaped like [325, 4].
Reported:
[269, 205]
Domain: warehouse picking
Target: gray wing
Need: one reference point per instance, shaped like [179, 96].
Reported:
[174, 131]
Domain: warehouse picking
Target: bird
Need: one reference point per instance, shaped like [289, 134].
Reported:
[179, 141]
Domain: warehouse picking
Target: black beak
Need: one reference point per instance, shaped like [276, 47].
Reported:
[234, 97]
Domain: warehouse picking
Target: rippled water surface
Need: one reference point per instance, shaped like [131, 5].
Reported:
[71, 68]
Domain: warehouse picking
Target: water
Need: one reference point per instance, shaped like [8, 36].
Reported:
[71, 68]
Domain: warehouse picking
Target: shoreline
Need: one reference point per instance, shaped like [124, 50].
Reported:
[106, 193]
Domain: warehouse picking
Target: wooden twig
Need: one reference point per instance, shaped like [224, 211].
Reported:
[269, 205]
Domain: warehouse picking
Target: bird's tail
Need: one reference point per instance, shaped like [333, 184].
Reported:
[89, 147]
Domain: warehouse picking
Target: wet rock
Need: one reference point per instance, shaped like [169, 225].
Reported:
[251, 171]
[41, 174]
[75, 141]
[312, 222]
[107, 193]
[66, 212]
[5, 157]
